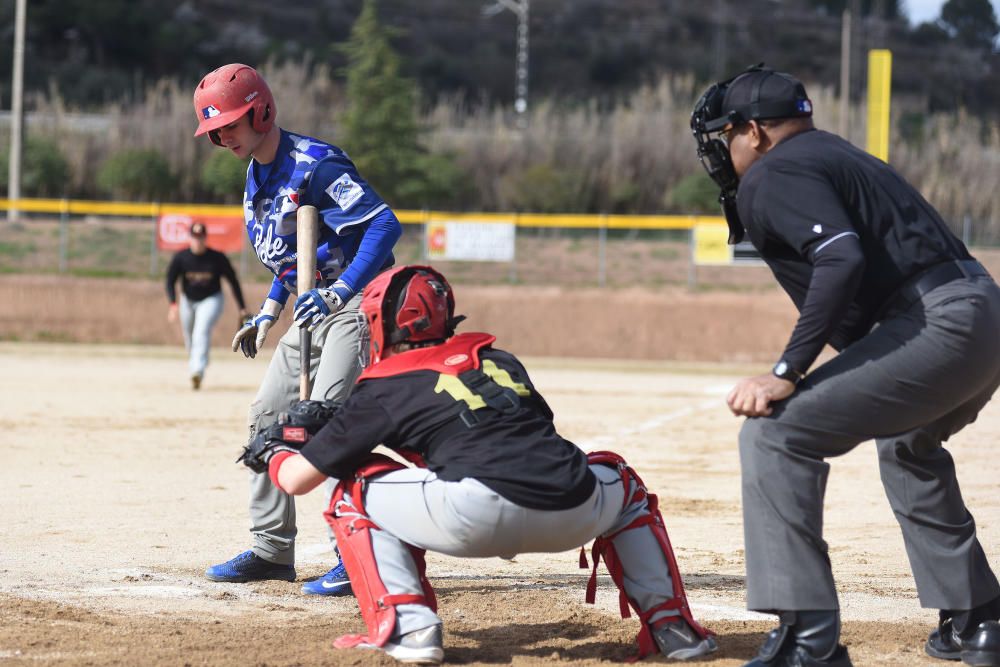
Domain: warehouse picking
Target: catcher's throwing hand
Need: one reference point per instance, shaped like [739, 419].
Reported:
[752, 397]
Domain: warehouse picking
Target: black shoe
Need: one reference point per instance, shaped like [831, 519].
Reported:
[808, 640]
[980, 649]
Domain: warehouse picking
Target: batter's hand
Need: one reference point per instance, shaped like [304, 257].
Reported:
[752, 397]
[172, 313]
[316, 305]
[251, 335]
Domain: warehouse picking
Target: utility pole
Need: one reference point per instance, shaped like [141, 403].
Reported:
[521, 9]
[719, 39]
[16, 111]
[845, 74]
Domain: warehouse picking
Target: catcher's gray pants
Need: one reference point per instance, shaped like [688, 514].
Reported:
[337, 360]
[467, 519]
[916, 379]
[197, 320]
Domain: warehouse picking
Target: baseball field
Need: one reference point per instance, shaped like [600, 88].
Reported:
[119, 488]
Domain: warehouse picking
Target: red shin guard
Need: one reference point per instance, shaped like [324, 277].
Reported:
[352, 527]
[635, 491]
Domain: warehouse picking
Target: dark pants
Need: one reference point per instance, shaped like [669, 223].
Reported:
[917, 378]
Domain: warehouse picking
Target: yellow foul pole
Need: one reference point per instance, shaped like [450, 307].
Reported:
[879, 94]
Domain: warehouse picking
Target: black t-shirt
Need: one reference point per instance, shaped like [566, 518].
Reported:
[519, 454]
[200, 275]
[841, 231]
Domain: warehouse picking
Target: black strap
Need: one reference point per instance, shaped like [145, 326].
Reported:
[502, 399]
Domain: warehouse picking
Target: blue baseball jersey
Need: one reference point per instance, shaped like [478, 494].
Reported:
[357, 230]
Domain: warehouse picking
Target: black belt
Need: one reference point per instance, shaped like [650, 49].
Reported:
[927, 280]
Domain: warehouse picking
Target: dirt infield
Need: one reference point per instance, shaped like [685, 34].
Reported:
[119, 488]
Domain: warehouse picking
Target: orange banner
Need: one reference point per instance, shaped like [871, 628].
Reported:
[225, 234]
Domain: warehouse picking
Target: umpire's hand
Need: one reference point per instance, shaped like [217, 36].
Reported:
[752, 397]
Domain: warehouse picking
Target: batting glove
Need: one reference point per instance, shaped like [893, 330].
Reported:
[251, 335]
[314, 306]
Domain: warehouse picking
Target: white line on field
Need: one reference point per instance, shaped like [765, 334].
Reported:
[648, 425]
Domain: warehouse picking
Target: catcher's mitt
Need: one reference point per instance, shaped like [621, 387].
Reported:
[292, 430]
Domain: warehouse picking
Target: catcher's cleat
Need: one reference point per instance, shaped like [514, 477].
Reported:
[334, 582]
[420, 647]
[678, 641]
[980, 649]
[248, 566]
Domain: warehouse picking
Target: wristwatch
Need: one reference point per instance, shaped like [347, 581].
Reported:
[784, 370]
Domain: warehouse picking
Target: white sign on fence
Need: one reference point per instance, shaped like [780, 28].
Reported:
[471, 241]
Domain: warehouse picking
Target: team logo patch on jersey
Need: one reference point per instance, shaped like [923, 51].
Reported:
[345, 192]
[456, 359]
[210, 112]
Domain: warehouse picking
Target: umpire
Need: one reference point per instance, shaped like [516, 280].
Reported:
[876, 274]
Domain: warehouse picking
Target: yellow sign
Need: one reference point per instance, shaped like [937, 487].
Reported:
[711, 245]
[879, 94]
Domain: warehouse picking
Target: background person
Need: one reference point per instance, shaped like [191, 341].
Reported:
[498, 479]
[200, 270]
[874, 272]
[357, 232]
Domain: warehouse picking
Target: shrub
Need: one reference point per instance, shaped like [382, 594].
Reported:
[224, 175]
[695, 193]
[138, 173]
[44, 170]
[544, 188]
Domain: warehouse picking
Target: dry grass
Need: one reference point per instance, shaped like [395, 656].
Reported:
[623, 158]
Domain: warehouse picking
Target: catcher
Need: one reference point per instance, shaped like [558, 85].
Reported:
[493, 478]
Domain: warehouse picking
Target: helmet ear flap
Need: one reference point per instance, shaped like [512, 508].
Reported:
[260, 121]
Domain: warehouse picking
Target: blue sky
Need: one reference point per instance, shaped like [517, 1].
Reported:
[921, 11]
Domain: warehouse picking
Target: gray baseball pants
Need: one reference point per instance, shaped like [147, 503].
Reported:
[467, 519]
[337, 360]
[197, 320]
[920, 376]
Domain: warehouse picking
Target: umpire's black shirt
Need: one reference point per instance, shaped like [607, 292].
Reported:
[841, 231]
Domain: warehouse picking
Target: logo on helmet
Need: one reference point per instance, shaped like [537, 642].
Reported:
[250, 96]
[804, 106]
[210, 112]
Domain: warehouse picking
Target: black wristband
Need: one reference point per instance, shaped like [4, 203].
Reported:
[784, 370]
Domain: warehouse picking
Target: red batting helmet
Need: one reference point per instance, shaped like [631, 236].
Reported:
[412, 304]
[227, 93]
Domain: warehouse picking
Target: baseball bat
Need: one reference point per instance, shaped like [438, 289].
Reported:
[306, 240]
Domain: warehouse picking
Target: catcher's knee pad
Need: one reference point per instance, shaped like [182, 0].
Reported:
[635, 492]
[352, 527]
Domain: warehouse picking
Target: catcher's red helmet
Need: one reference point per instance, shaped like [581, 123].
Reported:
[227, 93]
[412, 304]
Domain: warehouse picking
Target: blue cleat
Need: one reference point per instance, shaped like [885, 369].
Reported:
[334, 582]
[248, 566]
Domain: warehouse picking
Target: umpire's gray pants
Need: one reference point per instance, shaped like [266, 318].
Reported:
[916, 379]
[337, 360]
[467, 519]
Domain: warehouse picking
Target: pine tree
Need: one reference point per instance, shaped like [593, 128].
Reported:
[382, 134]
